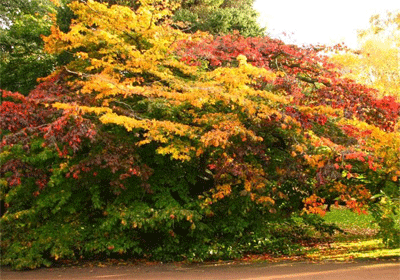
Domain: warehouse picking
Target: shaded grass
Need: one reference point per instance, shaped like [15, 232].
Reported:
[358, 240]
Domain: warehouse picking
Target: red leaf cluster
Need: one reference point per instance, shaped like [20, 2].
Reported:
[308, 75]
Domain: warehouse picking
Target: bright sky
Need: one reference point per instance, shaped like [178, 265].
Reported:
[320, 21]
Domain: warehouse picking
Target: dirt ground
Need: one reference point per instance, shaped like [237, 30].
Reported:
[365, 270]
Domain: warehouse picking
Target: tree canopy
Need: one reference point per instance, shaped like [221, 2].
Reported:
[156, 143]
[219, 17]
[376, 63]
[22, 59]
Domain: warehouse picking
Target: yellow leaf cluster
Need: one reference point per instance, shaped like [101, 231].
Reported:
[377, 62]
[126, 41]
[221, 135]
[321, 109]
[314, 204]
[240, 77]
[384, 145]
[266, 200]
[222, 191]
[257, 182]
[179, 150]
[159, 127]
[82, 109]
[315, 160]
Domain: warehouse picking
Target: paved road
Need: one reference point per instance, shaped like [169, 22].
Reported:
[370, 270]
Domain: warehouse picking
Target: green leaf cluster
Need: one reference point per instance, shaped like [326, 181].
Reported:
[22, 58]
[220, 17]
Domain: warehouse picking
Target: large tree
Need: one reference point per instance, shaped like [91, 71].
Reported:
[24, 22]
[219, 17]
[376, 62]
[22, 59]
[160, 144]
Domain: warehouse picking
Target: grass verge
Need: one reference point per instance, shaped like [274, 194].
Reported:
[358, 241]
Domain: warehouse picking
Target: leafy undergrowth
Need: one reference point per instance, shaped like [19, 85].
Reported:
[322, 251]
[356, 242]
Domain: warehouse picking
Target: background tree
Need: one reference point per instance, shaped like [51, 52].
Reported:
[22, 57]
[220, 17]
[11, 9]
[376, 63]
[24, 22]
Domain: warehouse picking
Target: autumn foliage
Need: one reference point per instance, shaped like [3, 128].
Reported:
[376, 63]
[159, 144]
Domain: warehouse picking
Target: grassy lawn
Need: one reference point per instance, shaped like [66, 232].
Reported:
[358, 241]
[346, 218]
[352, 250]
[355, 225]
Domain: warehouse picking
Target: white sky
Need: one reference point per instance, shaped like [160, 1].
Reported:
[324, 22]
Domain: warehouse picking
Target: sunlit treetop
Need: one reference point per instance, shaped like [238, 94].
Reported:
[376, 63]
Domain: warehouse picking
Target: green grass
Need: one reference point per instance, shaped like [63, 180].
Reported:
[355, 226]
[358, 241]
[347, 219]
[352, 250]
